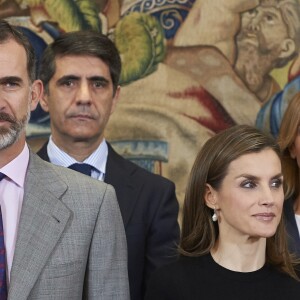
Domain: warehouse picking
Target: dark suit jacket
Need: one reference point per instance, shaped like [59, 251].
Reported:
[291, 227]
[149, 209]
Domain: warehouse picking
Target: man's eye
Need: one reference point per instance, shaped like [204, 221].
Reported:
[68, 83]
[99, 84]
[269, 18]
[11, 84]
[252, 12]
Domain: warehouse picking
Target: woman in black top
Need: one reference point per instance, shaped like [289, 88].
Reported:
[233, 242]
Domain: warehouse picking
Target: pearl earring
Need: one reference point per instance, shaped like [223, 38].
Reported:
[214, 216]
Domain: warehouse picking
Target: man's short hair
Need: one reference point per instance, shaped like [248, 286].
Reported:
[9, 32]
[88, 43]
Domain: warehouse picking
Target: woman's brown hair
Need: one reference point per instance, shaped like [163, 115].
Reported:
[199, 233]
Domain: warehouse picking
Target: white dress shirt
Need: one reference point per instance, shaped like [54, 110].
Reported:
[97, 159]
[297, 217]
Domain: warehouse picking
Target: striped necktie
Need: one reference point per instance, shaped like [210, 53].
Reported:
[3, 284]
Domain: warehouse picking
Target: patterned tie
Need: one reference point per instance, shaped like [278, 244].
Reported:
[82, 168]
[3, 285]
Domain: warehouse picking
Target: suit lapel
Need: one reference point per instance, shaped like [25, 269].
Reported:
[42, 222]
[118, 174]
[42, 153]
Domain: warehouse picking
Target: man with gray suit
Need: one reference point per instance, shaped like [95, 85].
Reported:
[63, 232]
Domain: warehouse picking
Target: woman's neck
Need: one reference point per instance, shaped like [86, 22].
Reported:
[243, 256]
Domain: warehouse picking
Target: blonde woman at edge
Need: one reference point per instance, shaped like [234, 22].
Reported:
[289, 142]
[233, 244]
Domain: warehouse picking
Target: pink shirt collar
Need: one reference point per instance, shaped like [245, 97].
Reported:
[17, 168]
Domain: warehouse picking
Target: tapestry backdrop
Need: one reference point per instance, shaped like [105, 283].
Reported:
[190, 69]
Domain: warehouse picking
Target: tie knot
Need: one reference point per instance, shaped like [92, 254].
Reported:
[82, 168]
[2, 176]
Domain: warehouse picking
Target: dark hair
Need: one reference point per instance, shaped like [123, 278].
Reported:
[199, 233]
[79, 43]
[9, 32]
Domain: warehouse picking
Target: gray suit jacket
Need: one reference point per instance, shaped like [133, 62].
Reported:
[71, 242]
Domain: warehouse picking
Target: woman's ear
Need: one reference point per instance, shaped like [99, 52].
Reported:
[292, 151]
[210, 196]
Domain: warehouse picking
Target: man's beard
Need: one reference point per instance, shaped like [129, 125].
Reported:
[254, 63]
[9, 136]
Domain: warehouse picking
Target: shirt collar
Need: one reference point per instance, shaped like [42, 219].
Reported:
[97, 159]
[17, 168]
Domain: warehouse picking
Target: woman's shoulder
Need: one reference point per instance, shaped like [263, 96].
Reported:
[177, 280]
[183, 266]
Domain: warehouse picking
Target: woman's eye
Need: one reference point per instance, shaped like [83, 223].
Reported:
[277, 183]
[248, 184]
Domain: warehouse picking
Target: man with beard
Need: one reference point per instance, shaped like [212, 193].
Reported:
[196, 92]
[61, 233]
[269, 38]
[11, 134]
[218, 31]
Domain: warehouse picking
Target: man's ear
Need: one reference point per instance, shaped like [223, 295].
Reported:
[210, 196]
[44, 102]
[115, 99]
[288, 47]
[36, 93]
